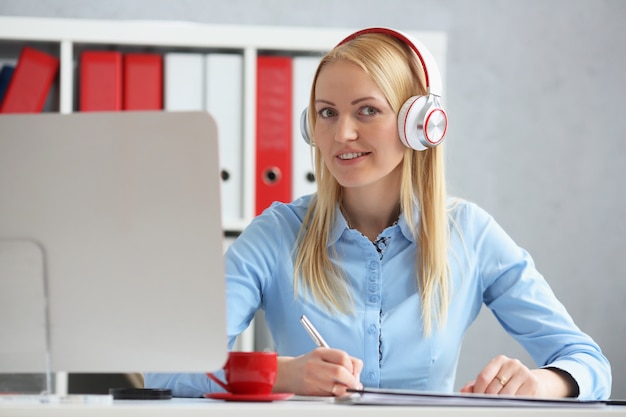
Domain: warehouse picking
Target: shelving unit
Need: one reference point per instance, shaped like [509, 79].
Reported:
[66, 38]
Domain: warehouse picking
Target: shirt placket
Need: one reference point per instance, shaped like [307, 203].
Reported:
[371, 372]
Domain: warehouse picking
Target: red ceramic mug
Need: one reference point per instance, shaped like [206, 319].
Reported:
[248, 373]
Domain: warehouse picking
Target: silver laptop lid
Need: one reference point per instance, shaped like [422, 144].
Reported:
[119, 215]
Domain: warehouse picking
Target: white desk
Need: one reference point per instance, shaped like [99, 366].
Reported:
[205, 407]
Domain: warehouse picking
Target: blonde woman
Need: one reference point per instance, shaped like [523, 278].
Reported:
[390, 269]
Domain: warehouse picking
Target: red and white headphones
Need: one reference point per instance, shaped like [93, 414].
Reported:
[422, 121]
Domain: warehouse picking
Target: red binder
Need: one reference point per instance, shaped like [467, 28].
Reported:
[30, 83]
[143, 82]
[273, 136]
[100, 81]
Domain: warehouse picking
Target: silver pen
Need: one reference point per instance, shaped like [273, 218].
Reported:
[315, 335]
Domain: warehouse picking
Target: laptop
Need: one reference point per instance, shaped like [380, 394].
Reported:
[111, 254]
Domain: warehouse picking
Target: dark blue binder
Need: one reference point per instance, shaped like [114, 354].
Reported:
[5, 76]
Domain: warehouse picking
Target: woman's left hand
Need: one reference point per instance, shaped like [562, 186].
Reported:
[506, 376]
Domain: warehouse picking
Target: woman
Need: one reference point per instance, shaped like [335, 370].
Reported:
[389, 268]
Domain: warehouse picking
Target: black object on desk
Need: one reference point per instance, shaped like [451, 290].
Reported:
[140, 394]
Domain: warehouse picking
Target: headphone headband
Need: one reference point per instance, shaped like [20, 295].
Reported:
[422, 122]
[429, 65]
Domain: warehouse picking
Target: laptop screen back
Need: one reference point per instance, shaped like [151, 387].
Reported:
[119, 215]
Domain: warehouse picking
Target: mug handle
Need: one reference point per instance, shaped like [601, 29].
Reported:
[218, 381]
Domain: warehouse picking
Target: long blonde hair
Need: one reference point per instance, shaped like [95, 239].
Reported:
[396, 70]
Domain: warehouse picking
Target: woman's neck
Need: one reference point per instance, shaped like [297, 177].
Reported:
[369, 210]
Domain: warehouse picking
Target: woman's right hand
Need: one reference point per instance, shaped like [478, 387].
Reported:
[321, 372]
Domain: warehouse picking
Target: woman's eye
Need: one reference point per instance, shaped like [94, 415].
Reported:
[368, 110]
[326, 112]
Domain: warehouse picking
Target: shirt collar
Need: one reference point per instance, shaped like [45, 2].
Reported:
[340, 226]
[404, 226]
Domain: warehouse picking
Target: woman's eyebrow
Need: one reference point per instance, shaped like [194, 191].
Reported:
[353, 102]
[321, 101]
[358, 100]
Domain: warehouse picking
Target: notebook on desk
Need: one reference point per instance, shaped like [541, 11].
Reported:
[380, 396]
[113, 222]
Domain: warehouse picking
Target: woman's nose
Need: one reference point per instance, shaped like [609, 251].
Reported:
[346, 129]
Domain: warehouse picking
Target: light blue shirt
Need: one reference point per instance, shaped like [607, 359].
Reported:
[385, 329]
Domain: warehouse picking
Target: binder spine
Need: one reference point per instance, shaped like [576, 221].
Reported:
[30, 82]
[5, 77]
[100, 81]
[303, 158]
[224, 100]
[143, 82]
[273, 139]
[184, 81]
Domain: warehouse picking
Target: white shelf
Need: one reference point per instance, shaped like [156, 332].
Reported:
[67, 36]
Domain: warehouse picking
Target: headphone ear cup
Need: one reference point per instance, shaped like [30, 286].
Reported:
[422, 122]
[304, 126]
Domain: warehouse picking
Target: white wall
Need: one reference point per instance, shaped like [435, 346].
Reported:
[535, 94]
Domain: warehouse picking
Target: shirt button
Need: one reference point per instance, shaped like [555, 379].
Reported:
[371, 329]
[373, 265]
[373, 288]
[373, 277]
[374, 298]
[371, 376]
